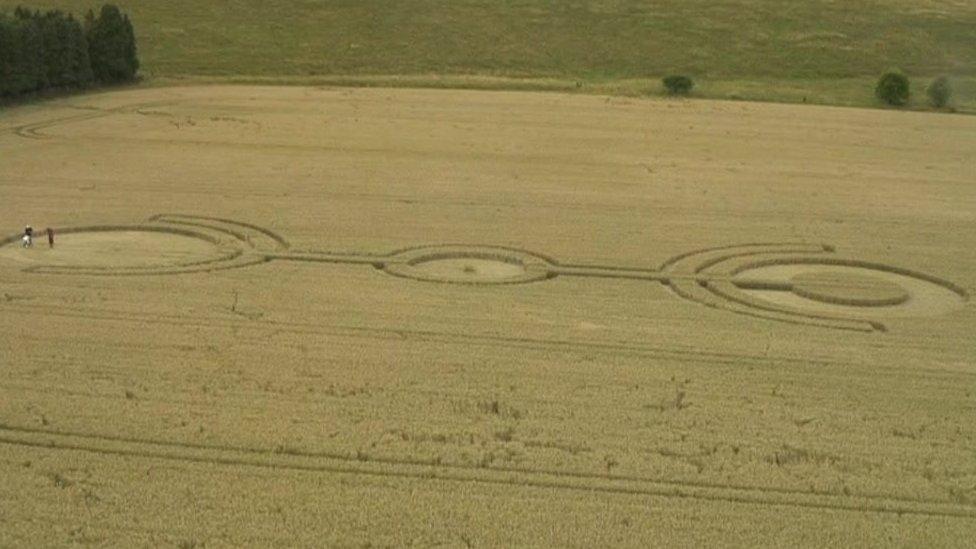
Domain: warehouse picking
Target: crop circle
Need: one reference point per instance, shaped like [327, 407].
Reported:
[115, 249]
[469, 265]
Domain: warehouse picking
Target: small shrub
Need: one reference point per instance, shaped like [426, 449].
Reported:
[939, 92]
[678, 85]
[893, 89]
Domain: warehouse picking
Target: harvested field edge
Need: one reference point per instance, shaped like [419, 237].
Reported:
[856, 92]
[414, 469]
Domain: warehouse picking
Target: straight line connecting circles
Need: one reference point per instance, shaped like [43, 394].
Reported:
[788, 282]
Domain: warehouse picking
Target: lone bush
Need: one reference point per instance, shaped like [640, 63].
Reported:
[939, 92]
[893, 89]
[678, 85]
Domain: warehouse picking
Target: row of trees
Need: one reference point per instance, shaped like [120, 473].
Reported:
[40, 51]
[893, 89]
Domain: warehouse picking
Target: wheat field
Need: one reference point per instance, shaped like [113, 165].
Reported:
[318, 316]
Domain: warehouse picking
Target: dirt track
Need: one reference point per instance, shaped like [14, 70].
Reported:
[371, 316]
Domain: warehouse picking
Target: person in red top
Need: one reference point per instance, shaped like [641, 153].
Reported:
[50, 237]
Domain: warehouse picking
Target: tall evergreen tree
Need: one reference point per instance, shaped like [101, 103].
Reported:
[112, 45]
[57, 56]
[28, 72]
[8, 48]
[81, 69]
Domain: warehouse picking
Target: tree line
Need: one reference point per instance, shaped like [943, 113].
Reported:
[52, 50]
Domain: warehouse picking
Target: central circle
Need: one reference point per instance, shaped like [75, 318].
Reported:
[461, 264]
[472, 268]
[844, 288]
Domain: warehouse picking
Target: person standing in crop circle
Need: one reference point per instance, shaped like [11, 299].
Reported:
[50, 237]
[28, 236]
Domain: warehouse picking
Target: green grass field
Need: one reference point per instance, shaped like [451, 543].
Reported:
[822, 51]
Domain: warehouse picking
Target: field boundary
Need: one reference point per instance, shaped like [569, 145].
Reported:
[856, 92]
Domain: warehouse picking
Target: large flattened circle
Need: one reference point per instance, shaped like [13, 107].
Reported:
[468, 265]
[112, 249]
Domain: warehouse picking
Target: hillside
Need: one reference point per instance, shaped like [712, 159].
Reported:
[818, 50]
